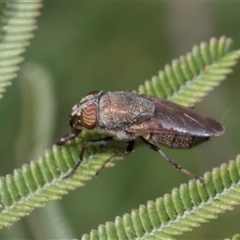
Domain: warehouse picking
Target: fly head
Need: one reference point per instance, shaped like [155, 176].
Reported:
[85, 113]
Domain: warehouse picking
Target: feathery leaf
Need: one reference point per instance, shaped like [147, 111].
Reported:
[42, 181]
[184, 209]
[18, 21]
[191, 77]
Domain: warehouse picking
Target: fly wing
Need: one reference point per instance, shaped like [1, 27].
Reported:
[171, 117]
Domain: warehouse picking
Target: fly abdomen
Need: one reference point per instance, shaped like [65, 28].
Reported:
[174, 140]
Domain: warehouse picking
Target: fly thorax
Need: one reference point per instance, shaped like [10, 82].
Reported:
[120, 109]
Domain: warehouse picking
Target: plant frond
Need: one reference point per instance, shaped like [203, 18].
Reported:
[184, 209]
[188, 79]
[42, 181]
[18, 21]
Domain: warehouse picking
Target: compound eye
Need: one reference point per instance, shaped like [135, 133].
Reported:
[89, 116]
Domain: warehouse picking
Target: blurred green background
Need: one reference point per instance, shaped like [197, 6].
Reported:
[82, 46]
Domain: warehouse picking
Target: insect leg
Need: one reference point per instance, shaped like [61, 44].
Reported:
[96, 142]
[176, 165]
[61, 141]
[129, 149]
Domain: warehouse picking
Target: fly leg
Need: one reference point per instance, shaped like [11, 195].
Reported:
[176, 165]
[96, 142]
[129, 149]
[61, 141]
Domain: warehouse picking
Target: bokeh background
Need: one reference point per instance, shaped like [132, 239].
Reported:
[82, 46]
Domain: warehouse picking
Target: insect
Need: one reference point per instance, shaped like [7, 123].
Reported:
[125, 116]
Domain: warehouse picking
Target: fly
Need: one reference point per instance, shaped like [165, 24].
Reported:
[125, 116]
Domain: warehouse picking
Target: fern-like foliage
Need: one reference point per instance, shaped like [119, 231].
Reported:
[41, 181]
[18, 20]
[184, 209]
[191, 77]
